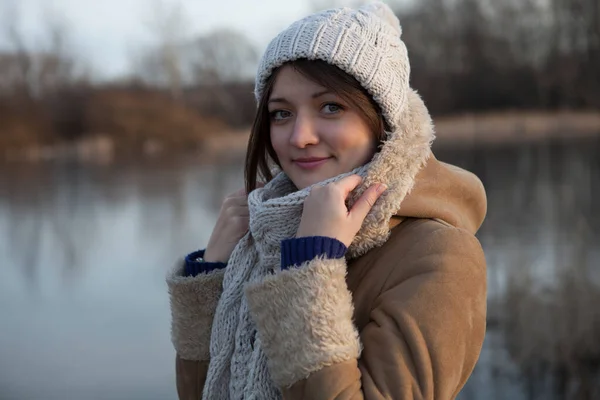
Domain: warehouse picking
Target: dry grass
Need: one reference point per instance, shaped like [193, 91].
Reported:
[230, 144]
[135, 117]
[141, 120]
[22, 126]
[149, 121]
[515, 127]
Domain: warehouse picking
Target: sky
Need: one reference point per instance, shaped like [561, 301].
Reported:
[108, 33]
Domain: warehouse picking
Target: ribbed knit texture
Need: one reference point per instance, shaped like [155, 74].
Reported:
[365, 43]
[193, 267]
[296, 251]
[238, 365]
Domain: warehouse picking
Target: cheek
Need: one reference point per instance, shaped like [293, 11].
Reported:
[278, 141]
[350, 139]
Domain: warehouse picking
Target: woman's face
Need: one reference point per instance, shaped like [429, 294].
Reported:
[314, 132]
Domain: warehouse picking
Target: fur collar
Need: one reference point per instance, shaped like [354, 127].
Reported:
[397, 164]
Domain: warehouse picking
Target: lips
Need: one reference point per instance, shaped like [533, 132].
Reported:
[311, 162]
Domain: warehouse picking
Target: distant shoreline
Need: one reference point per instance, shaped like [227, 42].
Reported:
[509, 128]
[492, 129]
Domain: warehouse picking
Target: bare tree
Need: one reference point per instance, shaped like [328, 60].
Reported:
[220, 69]
[170, 28]
[222, 56]
[16, 64]
[56, 67]
[32, 72]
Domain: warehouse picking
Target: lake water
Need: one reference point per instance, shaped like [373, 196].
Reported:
[84, 252]
[83, 256]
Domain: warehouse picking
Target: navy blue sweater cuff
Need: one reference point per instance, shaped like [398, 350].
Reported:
[296, 251]
[193, 267]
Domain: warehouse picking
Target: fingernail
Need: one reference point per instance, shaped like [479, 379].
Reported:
[382, 187]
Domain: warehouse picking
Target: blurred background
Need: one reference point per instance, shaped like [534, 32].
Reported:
[123, 123]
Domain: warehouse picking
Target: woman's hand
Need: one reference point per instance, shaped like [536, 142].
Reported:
[325, 212]
[231, 226]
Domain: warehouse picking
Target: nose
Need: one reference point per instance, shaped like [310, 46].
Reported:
[304, 132]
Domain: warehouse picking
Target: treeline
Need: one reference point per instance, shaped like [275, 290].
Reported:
[181, 88]
[466, 56]
[474, 55]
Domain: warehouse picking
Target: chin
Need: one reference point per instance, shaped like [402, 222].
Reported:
[302, 182]
[305, 178]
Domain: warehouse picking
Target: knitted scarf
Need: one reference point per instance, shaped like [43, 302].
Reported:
[238, 365]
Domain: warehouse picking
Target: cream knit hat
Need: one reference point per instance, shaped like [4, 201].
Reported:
[364, 43]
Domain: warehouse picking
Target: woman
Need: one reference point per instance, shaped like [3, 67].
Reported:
[354, 272]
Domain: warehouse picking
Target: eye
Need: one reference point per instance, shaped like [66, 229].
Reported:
[280, 115]
[332, 108]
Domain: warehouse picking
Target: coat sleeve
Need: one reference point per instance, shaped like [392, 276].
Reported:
[193, 303]
[422, 341]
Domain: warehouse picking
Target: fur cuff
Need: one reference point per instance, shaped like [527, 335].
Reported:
[304, 319]
[193, 304]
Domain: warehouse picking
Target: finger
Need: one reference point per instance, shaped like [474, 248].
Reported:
[234, 202]
[349, 183]
[364, 204]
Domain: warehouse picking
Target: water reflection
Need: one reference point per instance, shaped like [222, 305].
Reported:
[541, 238]
[82, 295]
[84, 251]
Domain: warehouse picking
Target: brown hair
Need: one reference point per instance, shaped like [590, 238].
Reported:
[260, 150]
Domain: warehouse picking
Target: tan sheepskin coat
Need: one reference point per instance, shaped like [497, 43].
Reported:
[417, 304]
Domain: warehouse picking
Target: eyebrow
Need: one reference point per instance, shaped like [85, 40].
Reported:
[314, 96]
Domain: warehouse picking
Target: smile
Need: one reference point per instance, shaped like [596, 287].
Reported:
[310, 163]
